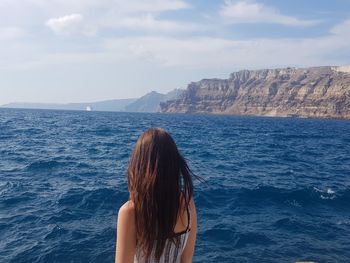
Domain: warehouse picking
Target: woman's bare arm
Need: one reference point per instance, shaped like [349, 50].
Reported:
[188, 252]
[126, 234]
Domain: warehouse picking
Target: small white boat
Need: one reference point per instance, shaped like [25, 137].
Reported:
[88, 108]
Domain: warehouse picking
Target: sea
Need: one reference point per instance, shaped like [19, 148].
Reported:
[273, 189]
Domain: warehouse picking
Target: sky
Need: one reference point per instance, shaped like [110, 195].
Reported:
[60, 51]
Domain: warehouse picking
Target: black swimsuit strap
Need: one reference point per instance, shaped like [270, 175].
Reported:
[188, 223]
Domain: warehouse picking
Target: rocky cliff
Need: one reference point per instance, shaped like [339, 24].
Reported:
[300, 92]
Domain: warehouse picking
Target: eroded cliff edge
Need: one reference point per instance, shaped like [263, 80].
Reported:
[301, 92]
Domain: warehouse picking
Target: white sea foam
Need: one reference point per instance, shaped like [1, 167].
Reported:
[318, 190]
[327, 197]
[330, 191]
[328, 194]
[343, 222]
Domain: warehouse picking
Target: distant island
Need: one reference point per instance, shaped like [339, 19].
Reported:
[317, 92]
[147, 103]
[108, 105]
[320, 92]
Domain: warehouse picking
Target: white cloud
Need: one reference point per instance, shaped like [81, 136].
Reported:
[70, 24]
[208, 53]
[138, 15]
[249, 11]
[211, 53]
[66, 24]
[149, 23]
[151, 6]
[20, 10]
[342, 28]
[157, 41]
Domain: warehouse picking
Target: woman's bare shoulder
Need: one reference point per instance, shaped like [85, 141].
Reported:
[127, 210]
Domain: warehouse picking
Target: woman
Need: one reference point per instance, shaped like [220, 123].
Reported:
[159, 222]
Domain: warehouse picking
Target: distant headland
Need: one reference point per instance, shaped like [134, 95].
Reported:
[316, 92]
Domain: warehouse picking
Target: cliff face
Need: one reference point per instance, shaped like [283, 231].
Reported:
[302, 92]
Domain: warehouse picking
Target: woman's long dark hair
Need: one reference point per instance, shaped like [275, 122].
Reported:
[158, 177]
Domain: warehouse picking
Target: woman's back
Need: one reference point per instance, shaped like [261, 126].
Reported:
[127, 250]
[173, 248]
[160, 204]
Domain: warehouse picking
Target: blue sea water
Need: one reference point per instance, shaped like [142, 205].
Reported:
[276, 190]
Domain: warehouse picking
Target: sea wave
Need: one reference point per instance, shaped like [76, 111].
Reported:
[274, 190]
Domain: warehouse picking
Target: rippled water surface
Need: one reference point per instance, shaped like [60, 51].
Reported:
[277, 190]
